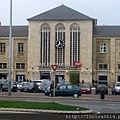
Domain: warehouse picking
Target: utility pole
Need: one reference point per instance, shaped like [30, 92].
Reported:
[10, 51]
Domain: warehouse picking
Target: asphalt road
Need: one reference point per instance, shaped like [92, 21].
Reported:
[111, 103]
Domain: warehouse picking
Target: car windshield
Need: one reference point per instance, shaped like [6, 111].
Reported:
[101, 85]
[85, 85]
[12, 83]
[117, 84]
[27, 84]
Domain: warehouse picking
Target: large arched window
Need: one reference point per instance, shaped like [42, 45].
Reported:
[74, 43]
[60, 44]
[45, 45]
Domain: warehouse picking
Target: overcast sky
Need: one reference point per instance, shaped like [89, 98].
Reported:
[107, 12]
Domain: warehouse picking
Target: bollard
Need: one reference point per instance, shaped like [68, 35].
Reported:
[102, 93]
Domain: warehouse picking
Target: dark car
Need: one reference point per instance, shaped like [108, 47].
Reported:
[29, 87]
[85, 88]
[13, 87]
[100, 87]
[44, 85]
[65, 90]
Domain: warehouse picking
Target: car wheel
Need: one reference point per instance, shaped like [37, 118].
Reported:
[21, 90]
[75, 95]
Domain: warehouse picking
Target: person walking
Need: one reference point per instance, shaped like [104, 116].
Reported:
[78, 82]
[82, 81]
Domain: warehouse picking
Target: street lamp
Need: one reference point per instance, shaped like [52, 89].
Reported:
[10, 50]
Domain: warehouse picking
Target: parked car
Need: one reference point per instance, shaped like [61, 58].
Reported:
[65, 90]
[101, 86]
[44, 85]
[13, 87]
[85, 88]
[29, 87]
[38, 82]
[2, 83]
[116, 88]
[19, 85]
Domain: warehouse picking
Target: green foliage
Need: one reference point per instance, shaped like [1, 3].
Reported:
[73, 75]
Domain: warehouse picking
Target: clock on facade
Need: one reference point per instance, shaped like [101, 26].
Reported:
[59, 43]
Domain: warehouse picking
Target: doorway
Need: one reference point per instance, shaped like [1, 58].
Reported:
[118, 79]
[59, 79]
[20, 78]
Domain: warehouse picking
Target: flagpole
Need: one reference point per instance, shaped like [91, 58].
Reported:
[10, 51]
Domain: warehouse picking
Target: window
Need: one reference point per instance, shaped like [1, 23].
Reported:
[62, 87]
[20, 65]
[2, 47]
[103, 66]
[45, 45]
[70, 87]
[118, 66]
[103, 48]
[60, 36]
[3, 65]
[74, 43]
[20, 47]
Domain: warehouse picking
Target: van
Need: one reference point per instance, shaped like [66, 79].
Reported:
[38, 82]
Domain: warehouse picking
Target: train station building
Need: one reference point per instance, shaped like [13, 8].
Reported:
[64, 37]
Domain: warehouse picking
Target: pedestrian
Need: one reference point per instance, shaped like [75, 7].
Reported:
[82, 81]
[93, 81]
[52, 87]
[78, 82]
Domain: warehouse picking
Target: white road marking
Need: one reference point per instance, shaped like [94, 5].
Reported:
[113, 104]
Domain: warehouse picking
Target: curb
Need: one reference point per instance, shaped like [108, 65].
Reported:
[85, 98]
[48, 111]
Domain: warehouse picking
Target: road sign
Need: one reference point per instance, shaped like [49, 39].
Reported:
[54, 67]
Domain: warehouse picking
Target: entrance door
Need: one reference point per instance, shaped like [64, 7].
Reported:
[59, 79]
[103, 79]
[20, 78]
[45, 75]
[3, 76]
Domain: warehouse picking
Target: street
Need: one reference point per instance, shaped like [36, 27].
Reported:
[111, 103]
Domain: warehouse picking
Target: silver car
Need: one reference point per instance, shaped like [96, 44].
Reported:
[116, 88]
[44, 85]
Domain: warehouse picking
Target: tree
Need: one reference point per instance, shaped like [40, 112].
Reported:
[73, 76]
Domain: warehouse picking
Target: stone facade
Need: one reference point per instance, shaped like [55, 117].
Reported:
[85, 45]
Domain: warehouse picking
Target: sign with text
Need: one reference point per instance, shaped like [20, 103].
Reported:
[54, 67]
[77, 63]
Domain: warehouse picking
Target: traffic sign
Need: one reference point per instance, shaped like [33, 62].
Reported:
[54, 67]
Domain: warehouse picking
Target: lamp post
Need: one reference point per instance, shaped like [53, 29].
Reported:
[10, 50]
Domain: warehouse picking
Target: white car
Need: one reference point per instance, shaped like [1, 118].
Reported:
[116, 88]
[19, 85]
[38, 82]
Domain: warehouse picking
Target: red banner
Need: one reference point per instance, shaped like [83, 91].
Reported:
[77, 63]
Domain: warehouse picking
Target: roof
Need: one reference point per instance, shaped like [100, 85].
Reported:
[106, 31]
[17, 31]
[61, 12]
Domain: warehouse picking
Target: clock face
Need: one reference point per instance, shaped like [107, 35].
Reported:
[60, 43]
